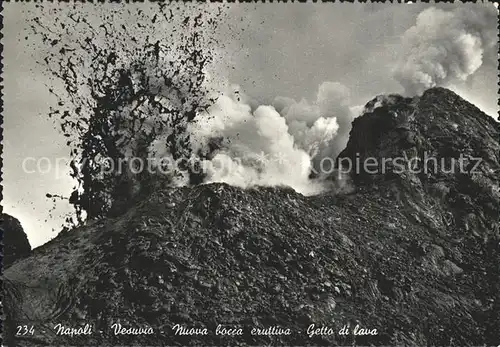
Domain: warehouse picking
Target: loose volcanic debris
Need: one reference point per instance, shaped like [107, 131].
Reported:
[122, 90]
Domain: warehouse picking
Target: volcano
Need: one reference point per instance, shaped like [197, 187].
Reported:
[406, 258]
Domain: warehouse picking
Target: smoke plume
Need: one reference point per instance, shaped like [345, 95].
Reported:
[445, 47]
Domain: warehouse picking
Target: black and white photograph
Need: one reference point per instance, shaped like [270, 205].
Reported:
[250, 173]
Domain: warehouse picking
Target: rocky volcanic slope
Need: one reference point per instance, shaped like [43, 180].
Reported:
[416, 257]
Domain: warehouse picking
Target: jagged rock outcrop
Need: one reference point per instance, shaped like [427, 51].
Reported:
[15, 242]
[417, 262]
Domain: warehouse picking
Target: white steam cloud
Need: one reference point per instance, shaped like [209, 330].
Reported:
[445, 47]
[275, 145]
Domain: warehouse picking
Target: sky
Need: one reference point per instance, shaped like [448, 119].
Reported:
[269, 50]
